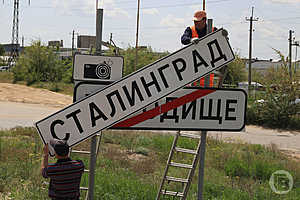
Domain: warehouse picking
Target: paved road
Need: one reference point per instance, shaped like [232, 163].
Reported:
[24, 114]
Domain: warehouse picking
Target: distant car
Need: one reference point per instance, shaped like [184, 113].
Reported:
[4, 68]
[244, 85]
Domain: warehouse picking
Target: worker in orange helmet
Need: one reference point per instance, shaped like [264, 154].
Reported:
[192, 35]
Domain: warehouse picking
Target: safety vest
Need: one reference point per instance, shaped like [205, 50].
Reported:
[211, 76]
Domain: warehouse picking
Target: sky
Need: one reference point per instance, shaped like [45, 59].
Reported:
[161, 24]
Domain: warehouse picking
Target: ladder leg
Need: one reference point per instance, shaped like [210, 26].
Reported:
[167, 167]
[192, 172]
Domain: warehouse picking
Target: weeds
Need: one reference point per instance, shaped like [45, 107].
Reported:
[131, 164]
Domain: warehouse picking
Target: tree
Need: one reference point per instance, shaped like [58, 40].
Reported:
[2, 50]
[236, 71]
[38, 63]
[279, 107]
[145, 56]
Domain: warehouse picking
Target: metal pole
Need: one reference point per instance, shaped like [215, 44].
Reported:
[250, 53]
[296, 63]
[290, 53]
[92, 167]
[73, 43]
[203, 136]
[99, 23]
[204, 5]
[137, 35]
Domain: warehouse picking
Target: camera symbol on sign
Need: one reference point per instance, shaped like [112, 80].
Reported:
[98, 71]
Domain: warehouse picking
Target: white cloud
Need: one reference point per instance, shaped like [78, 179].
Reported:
[88, 7]
[117, 12]
[283, 1]
[270, 31]
[172, 21]
[152, 11]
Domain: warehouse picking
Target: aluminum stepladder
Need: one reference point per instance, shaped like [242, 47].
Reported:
[190, 167]
[98, 137]
[186, 182]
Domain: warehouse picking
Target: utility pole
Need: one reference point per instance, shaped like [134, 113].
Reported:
[73, 33]
[296, 44]
[137, 35]
[290, 52]
[15, 34]
[251, 19]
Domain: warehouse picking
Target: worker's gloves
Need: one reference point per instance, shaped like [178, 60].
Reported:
[195, 40]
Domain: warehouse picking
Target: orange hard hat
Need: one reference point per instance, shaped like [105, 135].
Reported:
[199, 15]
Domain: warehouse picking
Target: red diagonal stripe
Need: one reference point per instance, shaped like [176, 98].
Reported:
[164, 108]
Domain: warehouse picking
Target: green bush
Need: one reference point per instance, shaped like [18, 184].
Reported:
[39, 63]
[235, 167]
[277, 110]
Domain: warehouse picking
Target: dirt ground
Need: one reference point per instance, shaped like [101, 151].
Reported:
[287, 141]
[23, 94]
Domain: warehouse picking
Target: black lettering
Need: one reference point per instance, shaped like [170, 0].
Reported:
[100, 115]
[160, 71]
[155, 106]
[173, 116]
[210, 106]
[111, 103]
[221, 55]
[153, 82]
[52, 131]
[76, 120]
[134, 89]
[186, 111]
[196, 57]
[228, 109]
[182, 69]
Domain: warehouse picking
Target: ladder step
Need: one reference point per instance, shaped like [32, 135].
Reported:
[84, 188]
[83, 152]
[181, 180]
[190, 135]
[185, 150]
[181, 165]
[172, 193]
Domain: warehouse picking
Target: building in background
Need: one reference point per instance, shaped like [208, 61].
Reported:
[262, 66]
[86, 41]
[56, 43]
[8, 48]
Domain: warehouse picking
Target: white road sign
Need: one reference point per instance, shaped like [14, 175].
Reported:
[206, 109]
[228, 110]
[134, 92]
[83, 89]
[97, 68]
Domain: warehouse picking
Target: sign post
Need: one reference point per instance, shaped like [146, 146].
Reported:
[203, 133]
[136, 91]
[93, 156]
